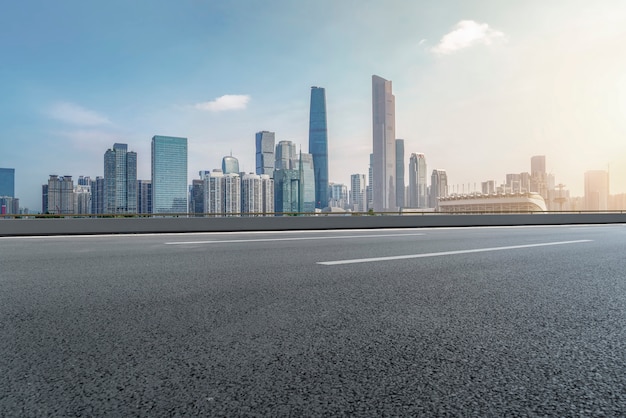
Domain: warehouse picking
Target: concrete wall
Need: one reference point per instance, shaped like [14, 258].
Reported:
[85, 226]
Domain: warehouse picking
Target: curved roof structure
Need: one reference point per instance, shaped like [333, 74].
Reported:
[510, 202]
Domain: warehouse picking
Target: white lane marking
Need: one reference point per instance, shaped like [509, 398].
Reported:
[476, 250]
[288, 239]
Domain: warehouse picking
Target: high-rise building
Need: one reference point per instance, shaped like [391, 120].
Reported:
[9, 205]
[286, 190]
[97, 195]
[400, 173]
[318, 144]
[230, 165]
[438, 187]
[169, 174]
[268, 193]
[538, 175]
[120, 180]
[308, 184]
[384, 145]
[357, 193]
[82, 199]
[418, 197]
[488, 187]
[7, 182]
[338, 196]
[231, 184]
[196, 196]
[213, 192]
[251, 194]
[144, 196]
[265, 147]
[59, 195]
[596, 190]
[286, 157]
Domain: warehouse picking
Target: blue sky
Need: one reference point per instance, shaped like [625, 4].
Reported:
[480, 86]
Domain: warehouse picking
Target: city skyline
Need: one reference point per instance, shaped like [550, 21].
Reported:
[471, 80]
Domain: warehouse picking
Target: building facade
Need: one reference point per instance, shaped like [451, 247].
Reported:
[120, 180]
[400, 184]
[144, 196]
[265, 146]
[438, 187]
[169, 174]
[286, 191]
[59, 195]
[384, 145]
[308, 198]
[7, 182]
[318, 144]
[358, 201]
[230, 165]
[418, 195]
[286, 157]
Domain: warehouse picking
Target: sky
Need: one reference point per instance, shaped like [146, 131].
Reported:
[481, 85]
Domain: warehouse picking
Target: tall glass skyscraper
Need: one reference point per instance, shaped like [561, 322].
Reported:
[169, 174]
[438, 187]
[384, 145]
[318, 144]
[265, 143]
[120, 180]
[417, 181]
[7, 182]
[230, 165]
[308, 183]
[286, 158]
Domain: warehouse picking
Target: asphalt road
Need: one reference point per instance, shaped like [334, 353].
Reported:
[520, 321]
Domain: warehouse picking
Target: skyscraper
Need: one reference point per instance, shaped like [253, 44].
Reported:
[230, 165]
[120, 180]
[97, 195]
[213, 192]
[400, 173]
[251, 194]
[384, 147]
[144, 196]
[318, 144]
[169, 174]
[538, 175]
[7, 182]
[370, 181]
[286, 158]
[357, 193]
[231, 184]
[59, 195]
[265, 147]
[308, 182]
[438, 187]
[418, 197]
[286, 191]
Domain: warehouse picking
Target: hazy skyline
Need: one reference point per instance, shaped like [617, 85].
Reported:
[480, 86]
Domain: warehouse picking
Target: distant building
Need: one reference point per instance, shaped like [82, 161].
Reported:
[230, 165]
[169, 174]
[384, 147]
[59, 195]
[358, 201]
[538, 175]
[370, 181]
[231, 184]
[596, 190]
[9, 205]
[144, 196]
[213, 192]
[120, 180]
[251, 194]
[338, 196]
[438, 186]
[267, 184]
[511, 202]
[308, 183]
[196, 196]
[7, 182]
[400, 185]
[286, 157]
[82, 199]
[418, 180]
[265, 147]
[286, 190]
[318, 147]
[97, 195]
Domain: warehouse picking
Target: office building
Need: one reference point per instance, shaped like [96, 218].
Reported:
[418, 196]
[144, 196]
[286, 157]
[251, 194]
[120, 180]
[169, 174]
[338, 196]
[265, 147]
[596, 190]
[308, 184]
[59, 195]
[384, 145]
[358, 201]
[230, 165]
[318, 145]
[438, 187]
[400, 185]
[286, 191]
[370, 180]
[7, 182]
[196, 196]
[97, 195]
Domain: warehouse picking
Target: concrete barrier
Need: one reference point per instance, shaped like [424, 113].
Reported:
[86, 226]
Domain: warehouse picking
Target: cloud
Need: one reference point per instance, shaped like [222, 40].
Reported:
[465, 34]
[76, 115]
[226, 102]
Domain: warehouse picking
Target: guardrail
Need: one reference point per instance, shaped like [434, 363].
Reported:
[160, 223]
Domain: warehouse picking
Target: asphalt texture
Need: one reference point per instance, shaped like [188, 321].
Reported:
[249, 324]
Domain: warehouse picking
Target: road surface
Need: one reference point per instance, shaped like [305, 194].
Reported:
[507, 321]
